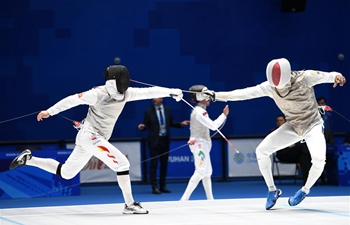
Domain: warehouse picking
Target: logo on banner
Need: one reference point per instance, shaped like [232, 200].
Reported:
[182, 158]
[238, 158]
[251, 157]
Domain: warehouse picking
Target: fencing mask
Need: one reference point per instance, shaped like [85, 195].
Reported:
[117, 81]
[197, 97]
[120, 74]
[278, 72]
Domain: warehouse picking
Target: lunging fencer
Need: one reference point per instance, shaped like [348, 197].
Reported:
[106, 103]
[294, 95]
[200, 142]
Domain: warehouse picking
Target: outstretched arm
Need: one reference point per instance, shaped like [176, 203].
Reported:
[314, 77]
[260, 90]
[134, 94]
[86, 98]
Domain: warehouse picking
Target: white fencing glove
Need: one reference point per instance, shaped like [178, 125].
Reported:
[176, 94]
[209, 95]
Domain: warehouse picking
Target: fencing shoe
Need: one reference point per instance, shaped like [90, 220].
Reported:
[272, 197]
[21, 159]
[134, 208]
[297, 198]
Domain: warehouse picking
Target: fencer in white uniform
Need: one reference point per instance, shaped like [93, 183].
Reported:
[106, 103]
[200, 142]
[294, 95]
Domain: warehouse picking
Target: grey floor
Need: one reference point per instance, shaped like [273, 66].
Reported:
[313, 210]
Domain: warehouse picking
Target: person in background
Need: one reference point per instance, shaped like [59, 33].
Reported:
[200, 142]
[157, 120]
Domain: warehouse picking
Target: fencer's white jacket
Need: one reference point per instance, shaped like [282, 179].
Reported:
[104, 110]
[297, 100]
[201, 123]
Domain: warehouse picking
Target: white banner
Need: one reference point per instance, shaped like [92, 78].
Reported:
[96, 171]
[244, 163]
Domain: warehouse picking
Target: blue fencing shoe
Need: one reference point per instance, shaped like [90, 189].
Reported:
[297, 198]
[272, 197]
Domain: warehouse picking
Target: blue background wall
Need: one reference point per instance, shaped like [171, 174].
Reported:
[51, 49]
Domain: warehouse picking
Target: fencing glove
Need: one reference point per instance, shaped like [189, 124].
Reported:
[208, 95]
[176, 94]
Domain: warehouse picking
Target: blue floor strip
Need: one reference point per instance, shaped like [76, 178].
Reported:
[110, 193]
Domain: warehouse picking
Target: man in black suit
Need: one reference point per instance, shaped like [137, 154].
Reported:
[158, 119]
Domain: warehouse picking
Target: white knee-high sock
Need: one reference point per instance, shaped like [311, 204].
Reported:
[50, 165]
[192, 184]
[125, 185]
[265, 169]
[314, 174]
[206, 181]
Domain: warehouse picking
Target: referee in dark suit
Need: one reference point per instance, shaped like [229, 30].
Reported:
[157, 120]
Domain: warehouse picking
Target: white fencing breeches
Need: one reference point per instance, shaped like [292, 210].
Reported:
[90, 143]
[285, 136]
[201, 155]
[203, 169]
